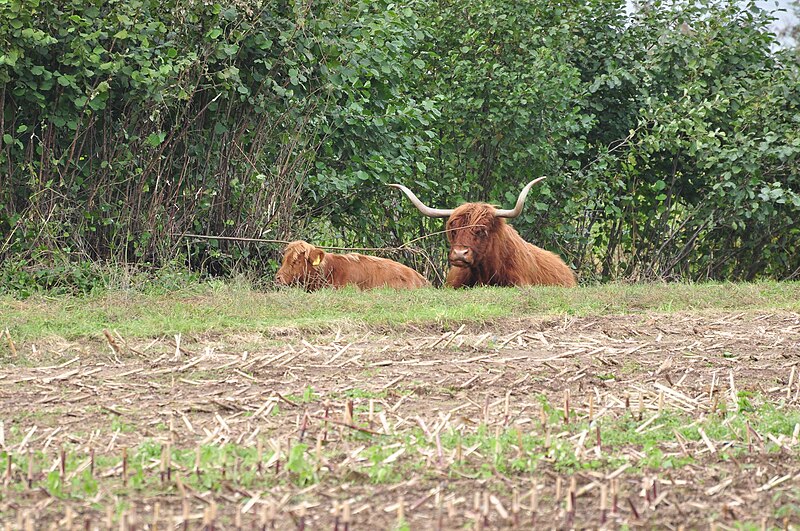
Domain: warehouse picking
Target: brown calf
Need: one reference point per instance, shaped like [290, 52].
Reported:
[312, 268]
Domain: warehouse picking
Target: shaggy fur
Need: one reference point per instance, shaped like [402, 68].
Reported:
[485, 250]
[312, 268]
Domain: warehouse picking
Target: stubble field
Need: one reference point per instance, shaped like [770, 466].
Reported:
[653, 418]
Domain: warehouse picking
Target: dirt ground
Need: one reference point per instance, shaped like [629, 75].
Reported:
[279, 387]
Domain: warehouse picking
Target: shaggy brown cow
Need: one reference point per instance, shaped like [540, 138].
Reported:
[485, 250]
[313, 268]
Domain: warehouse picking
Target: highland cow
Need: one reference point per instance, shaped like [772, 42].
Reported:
[485, 250]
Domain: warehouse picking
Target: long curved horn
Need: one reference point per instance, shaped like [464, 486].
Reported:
[428, 211]
[517, 210]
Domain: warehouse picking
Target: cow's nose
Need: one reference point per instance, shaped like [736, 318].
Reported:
[460, 256]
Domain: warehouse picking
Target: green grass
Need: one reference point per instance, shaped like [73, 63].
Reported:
[218, 307]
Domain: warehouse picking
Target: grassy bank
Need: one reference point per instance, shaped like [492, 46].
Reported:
[229, 307]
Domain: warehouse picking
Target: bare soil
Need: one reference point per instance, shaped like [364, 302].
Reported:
[280, 386]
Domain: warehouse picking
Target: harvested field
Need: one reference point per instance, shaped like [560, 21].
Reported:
[656, 420]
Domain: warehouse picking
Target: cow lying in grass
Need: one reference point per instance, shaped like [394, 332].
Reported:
[312, 268]
[485, 250]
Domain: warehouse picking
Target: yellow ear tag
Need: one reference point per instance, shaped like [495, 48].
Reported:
[316, 261]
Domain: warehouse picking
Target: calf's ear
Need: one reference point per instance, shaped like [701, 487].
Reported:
[316, 256]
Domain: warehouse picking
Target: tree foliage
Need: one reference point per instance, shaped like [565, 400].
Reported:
[669, 135]
[705, 184]
[126, 124]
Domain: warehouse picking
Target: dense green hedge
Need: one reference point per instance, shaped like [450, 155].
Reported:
[670, 137]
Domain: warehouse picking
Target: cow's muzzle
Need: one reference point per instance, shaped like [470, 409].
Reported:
[461, 257]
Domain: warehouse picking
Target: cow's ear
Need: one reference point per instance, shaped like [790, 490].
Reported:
[316, 256]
